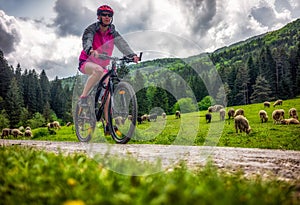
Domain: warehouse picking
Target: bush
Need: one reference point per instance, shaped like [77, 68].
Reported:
[37, 121]
[185, 105]
[206, 102]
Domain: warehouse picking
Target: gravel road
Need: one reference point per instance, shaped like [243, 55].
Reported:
[285, 165]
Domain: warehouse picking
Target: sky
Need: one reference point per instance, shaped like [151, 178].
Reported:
[47, 34]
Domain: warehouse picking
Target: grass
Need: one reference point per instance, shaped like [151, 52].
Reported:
[192, 129]
[29, 176]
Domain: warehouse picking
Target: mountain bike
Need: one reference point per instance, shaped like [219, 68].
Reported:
[122, 105]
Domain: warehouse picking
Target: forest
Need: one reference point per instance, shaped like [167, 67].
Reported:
[262, 68]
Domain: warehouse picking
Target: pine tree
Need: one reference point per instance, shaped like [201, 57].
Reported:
[6, 75]
[58, 98]
[160, 99]
[14, 103]
[141, 93]
[267, 68]
[241, 86]
[262, 91]
[45, 89]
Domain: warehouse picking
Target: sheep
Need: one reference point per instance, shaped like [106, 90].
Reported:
[208, 117]
[230, 113]
[222, 114]
[277, 102]
[16, 132]
[50, 125]
[277, 116]
[28, 128]
[263, 116]
[129, 117]
[239, 112]
[215, 108]
[145, 117]
[119, 120]
[28, 133]
[5, 132]
[139, 119]
[69, 124]
[164, 115]
[289, 121]
[293, 113]
[177, 114]
[267, 104]
[152, 117]
[56, 125]
[242, 124]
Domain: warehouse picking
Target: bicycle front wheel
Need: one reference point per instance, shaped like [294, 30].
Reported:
[123, 116]
[85, 123]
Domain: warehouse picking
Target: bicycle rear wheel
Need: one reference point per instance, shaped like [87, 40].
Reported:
[123, 116]
[85, 123]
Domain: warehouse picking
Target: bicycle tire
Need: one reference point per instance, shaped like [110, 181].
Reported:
[85, 123]
[123, 113]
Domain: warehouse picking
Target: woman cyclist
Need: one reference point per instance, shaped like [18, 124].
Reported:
[100, 38]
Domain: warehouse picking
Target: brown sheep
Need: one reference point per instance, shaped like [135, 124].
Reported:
[277, 116]
[293, 113]
[222, 114]
[177, 114]
[230, 113]
[263, 116]
[267, 104]
[242, 124]
[208, 117]
[277, 102]
[56, 125]
[129, 117]
[215, 108]
[119, 120]
[145, 117]
[50, 125]
[5, 132]
[28, 133]
[239, 112]
[289, 121]
[16, 132]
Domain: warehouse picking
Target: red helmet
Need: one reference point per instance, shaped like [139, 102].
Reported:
[104, 8]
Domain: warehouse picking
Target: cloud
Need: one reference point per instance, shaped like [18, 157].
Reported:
[199, 14]
[9, 33]
[72, 17]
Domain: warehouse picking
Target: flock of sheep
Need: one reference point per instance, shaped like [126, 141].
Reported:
[242, 124]
[16, 132]
[21, 131]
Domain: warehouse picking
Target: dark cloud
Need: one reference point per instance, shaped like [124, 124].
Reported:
[264, 15]
[281, 5]
[199, 14]
[136, 18]
[72, 17]
[9, 35]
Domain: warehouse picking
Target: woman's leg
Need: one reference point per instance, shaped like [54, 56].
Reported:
[95, 73]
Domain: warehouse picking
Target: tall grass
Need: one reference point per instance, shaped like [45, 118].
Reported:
[29, 176]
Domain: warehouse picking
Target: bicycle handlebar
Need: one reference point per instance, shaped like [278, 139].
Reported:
[126, 59]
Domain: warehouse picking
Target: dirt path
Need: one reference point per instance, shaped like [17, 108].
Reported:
[284, 165]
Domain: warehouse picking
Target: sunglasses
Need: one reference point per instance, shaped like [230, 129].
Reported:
[106, 14]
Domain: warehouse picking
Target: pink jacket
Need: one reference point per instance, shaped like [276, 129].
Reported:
[102, 42]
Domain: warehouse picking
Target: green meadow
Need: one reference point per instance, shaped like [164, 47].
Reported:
[192, 129]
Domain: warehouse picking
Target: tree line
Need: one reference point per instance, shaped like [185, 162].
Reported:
[28, 98]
